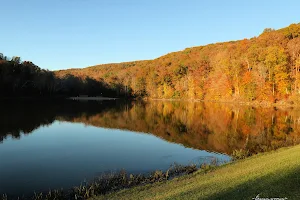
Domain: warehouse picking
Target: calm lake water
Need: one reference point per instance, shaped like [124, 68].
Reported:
[61, 144]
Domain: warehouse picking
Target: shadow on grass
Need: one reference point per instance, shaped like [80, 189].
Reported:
[271, 186]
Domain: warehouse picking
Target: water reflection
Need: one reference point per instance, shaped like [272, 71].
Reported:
[213, 127]
[59, 144]
[54, 145]
[65, 154]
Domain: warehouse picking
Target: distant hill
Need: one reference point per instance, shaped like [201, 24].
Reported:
[24, 79]
[263, 68]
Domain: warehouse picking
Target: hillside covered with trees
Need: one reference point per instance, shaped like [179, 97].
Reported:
[261, 69]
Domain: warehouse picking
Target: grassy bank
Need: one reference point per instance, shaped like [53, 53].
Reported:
[272, 174]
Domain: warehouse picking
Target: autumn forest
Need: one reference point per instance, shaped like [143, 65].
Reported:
[260, 69]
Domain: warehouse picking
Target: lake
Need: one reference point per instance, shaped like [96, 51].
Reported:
[61, 144]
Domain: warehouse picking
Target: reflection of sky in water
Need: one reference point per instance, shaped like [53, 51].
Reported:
[64, 154]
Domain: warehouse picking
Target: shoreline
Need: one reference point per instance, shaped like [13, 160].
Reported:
[92, 98]
[245, 103]
[111, 182]
[241, 179]
[264, 104]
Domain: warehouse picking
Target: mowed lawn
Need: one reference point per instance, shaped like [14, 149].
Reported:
[272, 174]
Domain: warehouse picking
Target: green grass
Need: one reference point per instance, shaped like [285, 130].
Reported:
[272, 174]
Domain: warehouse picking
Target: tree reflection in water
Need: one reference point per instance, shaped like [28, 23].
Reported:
[222, 128]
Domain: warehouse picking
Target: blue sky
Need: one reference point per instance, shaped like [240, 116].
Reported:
[60, 34]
